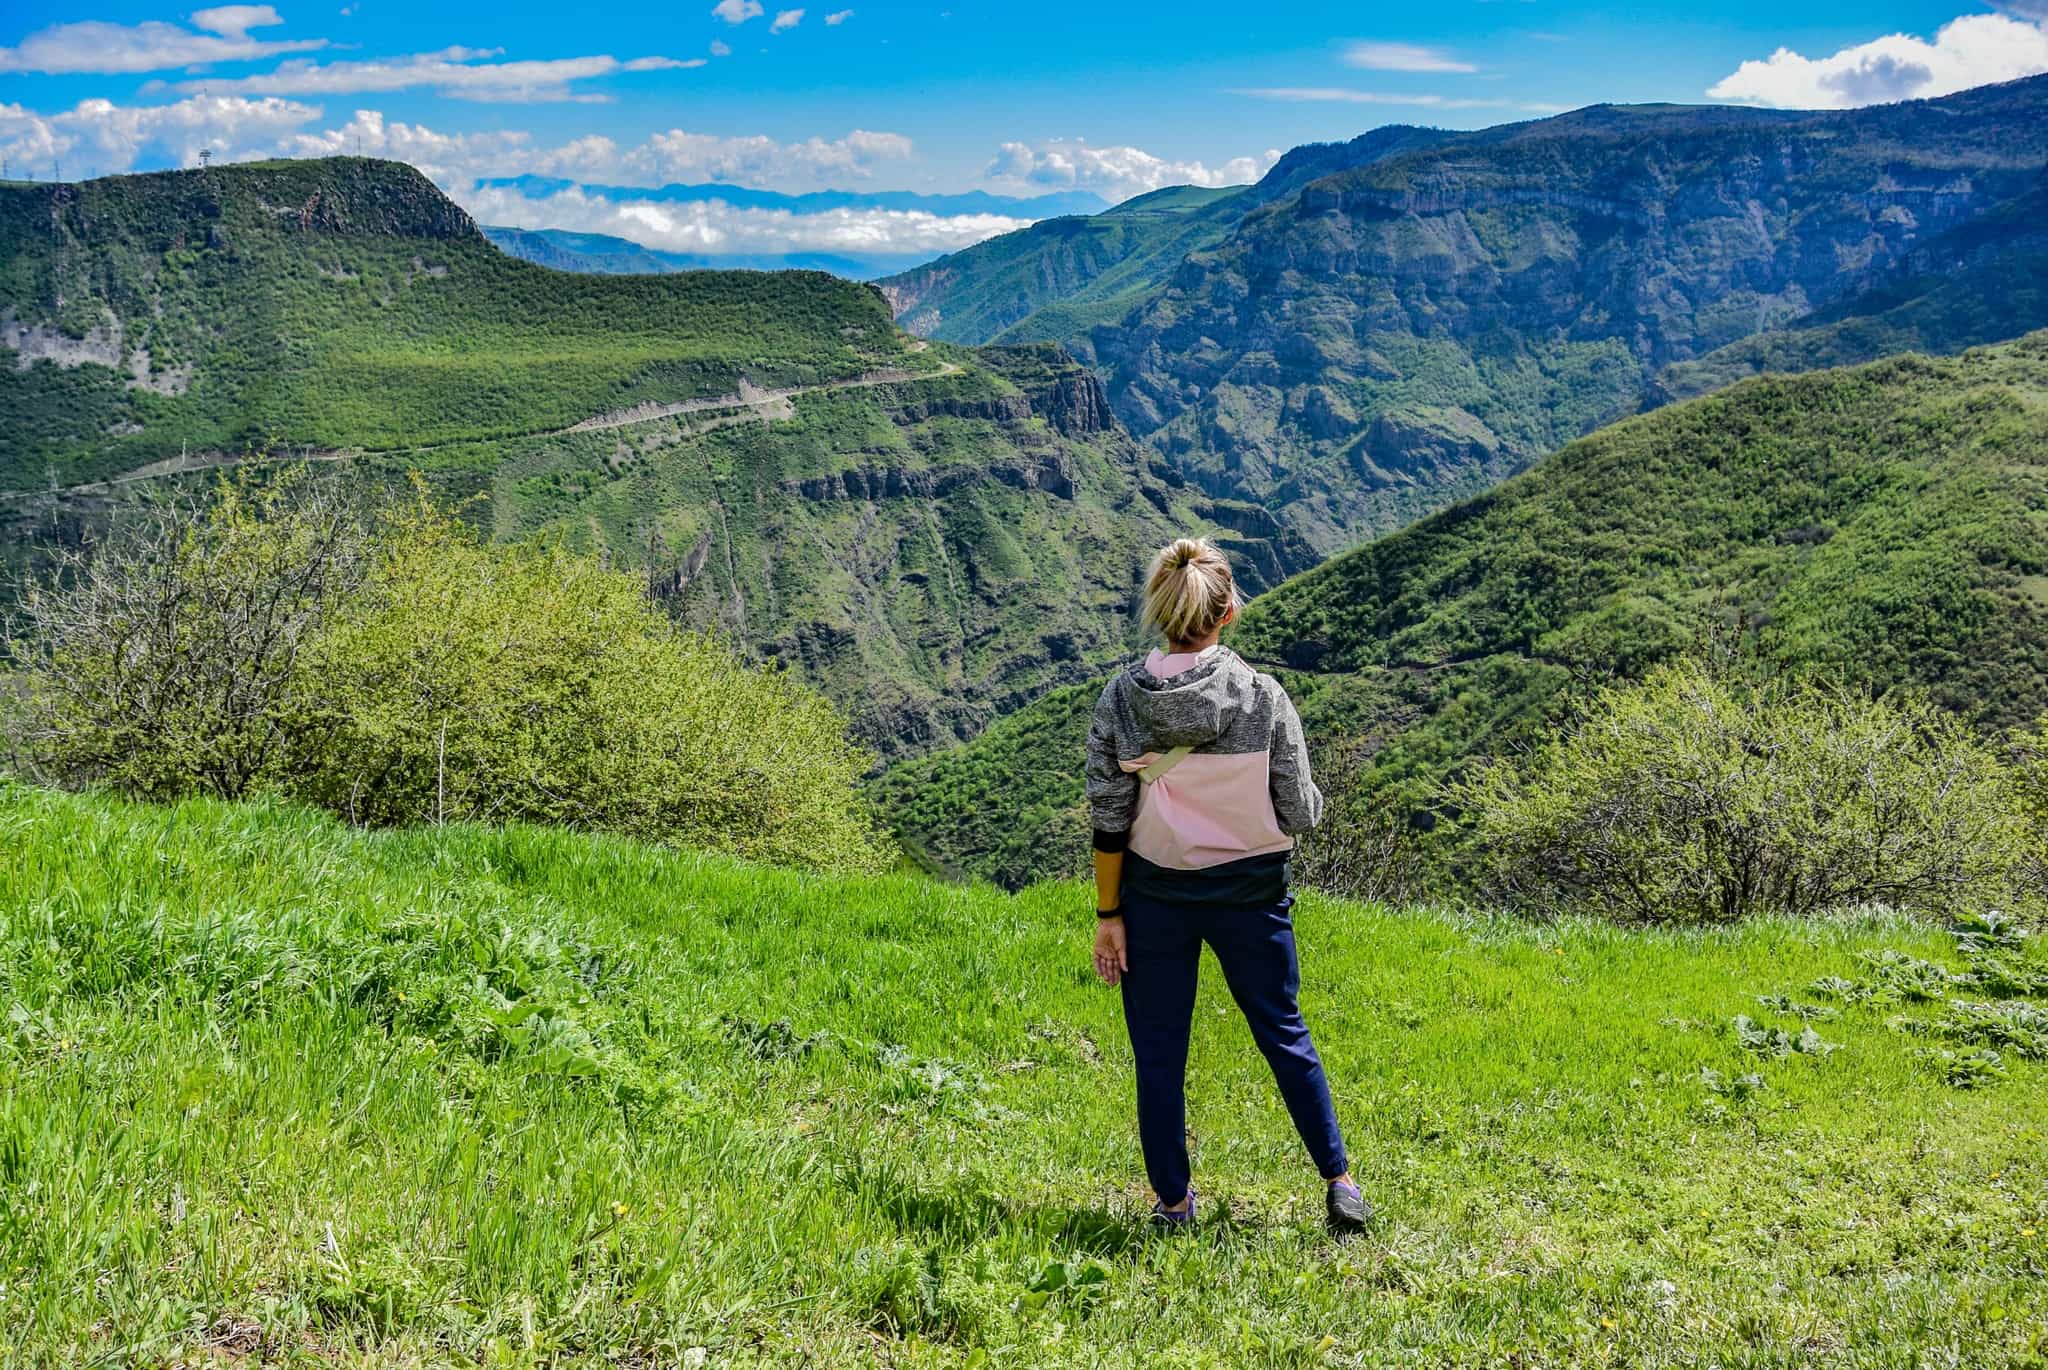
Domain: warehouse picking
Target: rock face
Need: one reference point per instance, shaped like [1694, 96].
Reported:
[1052, 474]
[1077, 404]
[1384, 325]
[1416, 446]
[1436, 310]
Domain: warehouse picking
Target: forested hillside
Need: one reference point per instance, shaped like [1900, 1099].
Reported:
[1385, 325]
[933, 534]
[1878, 526]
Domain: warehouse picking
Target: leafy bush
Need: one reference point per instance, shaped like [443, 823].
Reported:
[1695, 798]
[394, 669]
[162, 661]
[522, 681]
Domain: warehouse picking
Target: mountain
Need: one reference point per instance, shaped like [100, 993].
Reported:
[819, 201]
[1885, 525]
[348, 303]
[932, 533]
[1054, 281]
[1384, 325]
[561, 250]
[1985, 279]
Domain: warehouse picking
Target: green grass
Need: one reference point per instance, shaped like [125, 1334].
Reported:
[516, 1096]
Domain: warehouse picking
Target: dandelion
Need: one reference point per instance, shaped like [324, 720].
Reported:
[1607, 1323]
[2026, 1232]
[621, 1209]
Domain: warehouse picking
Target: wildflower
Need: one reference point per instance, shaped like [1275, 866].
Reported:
[1607, 1323]
[621, 1209]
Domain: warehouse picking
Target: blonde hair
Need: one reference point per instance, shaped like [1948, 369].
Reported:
[1189, 590]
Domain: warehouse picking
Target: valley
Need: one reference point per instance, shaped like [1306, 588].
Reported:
[786, 467]
[1875, 527]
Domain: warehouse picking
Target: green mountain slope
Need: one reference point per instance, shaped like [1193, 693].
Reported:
[933, 534]
[275, 1091]
[1053, 281]
[1884, 525]
[348, 303]
[1389, 332]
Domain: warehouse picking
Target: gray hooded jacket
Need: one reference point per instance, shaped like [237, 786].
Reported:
[1242, 790]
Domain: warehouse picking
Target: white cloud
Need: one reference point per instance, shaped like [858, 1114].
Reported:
[100, 135]
[712, 226]
[1402, 57]
[454, 72]
[838, 17]
[222, 36]
[736, 11]
[679, 155]
[1116, 172]
[451, 159]
[786, 19]
[233, 21]
[1343, 95]
[1971, 51]
[719, 49]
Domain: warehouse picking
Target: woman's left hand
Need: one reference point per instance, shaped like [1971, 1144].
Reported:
[1111, 959]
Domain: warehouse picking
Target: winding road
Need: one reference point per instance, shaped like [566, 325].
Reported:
[750, 404]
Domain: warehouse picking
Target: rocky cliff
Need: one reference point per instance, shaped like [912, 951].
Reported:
[1518, 286]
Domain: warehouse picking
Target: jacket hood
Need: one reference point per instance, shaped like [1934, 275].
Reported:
[1194, 706]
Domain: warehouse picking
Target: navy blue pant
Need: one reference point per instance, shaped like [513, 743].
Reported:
[1255, 947]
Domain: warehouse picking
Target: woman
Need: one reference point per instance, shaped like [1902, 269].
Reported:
[1198, 781]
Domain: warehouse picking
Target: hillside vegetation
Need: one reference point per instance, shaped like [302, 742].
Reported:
[394, 669]
[272, 1089]
[1873, 527]
[348, 303]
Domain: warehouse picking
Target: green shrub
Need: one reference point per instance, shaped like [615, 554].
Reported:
[521, 681]
[1693, 797]
[161, 662]
[394, 669]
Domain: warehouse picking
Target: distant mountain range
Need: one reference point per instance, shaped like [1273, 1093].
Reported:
[1382, 326]
[602, 254]
[818, 201]
[567, 250]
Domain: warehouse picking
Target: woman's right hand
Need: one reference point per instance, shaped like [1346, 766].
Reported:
[1111, 959]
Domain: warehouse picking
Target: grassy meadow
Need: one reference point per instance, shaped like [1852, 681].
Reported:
[277, 1091]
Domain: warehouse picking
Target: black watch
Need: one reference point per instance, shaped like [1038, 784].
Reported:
[1116, 912]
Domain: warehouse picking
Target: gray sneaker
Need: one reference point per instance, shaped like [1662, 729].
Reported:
[1348, 1209]
[1168, 1220]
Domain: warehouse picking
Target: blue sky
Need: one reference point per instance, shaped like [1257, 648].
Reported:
[1111, 98]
